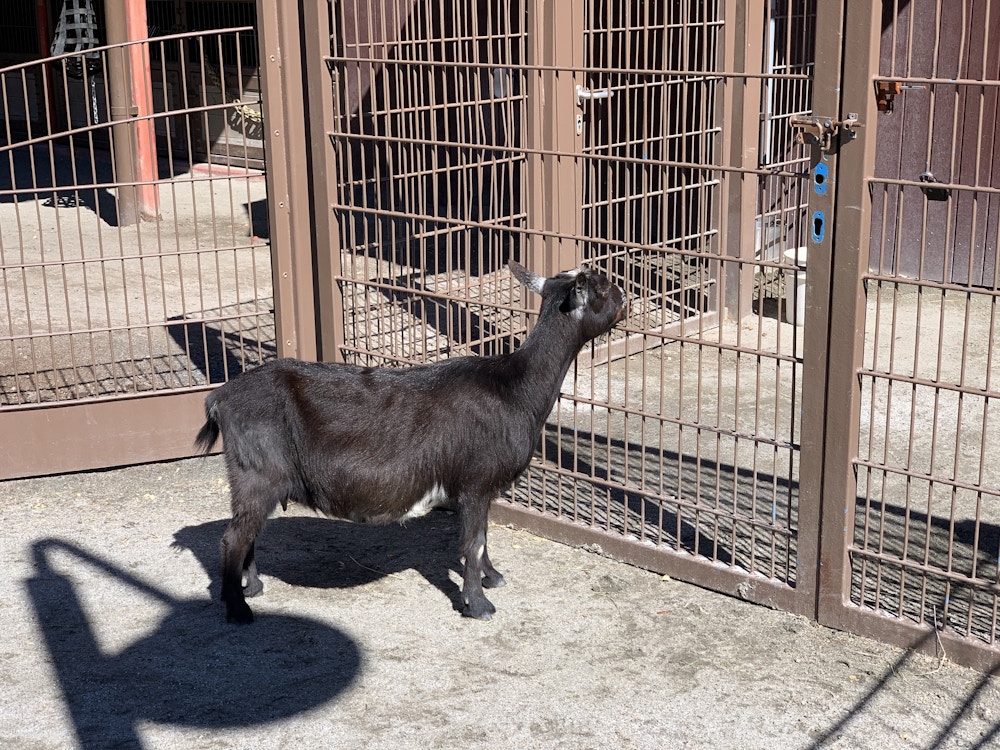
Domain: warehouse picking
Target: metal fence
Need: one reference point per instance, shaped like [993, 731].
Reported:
[559, 134]
[128, 280]
[926, 534]
[796, 410]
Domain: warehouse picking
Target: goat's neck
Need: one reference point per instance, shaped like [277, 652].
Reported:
[546, 356]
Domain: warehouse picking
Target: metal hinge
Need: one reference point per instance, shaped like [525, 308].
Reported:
[821, 131]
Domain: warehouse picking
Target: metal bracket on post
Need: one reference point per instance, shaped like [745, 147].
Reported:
[822, 131]
[887, 91]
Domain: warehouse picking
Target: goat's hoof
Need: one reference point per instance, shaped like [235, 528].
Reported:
[239, 613]
[483, 610]
[494, 581]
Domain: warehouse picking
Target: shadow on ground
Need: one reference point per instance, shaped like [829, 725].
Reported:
[947, 727]
[317, 552]
[193, 670]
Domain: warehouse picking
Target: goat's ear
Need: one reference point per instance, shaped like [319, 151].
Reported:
[531, 280]
[578, 294]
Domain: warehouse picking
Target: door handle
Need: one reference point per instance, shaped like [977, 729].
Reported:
[583, 93]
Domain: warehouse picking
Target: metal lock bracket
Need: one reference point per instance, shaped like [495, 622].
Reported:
[822, 131]
[887, 91]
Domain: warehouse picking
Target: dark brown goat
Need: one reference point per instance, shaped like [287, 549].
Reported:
[386, 444]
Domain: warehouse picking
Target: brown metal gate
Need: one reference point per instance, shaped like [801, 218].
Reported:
[740, 417]
[129, 289]
[450, 141]
[911, 496]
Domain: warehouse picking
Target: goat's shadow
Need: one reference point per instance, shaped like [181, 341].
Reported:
[193, 670]
[317, 552]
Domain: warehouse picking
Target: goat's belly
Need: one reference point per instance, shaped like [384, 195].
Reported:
[375, 513]
[433, 498]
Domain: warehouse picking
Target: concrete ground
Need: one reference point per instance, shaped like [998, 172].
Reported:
[113, 637]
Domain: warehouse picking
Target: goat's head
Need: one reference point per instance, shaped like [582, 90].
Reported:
[583, 294]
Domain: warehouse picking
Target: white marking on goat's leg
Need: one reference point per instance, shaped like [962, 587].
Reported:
[474, 513]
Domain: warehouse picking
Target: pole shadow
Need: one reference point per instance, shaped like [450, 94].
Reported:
[193, 670]
[52, 178]
[946, 733]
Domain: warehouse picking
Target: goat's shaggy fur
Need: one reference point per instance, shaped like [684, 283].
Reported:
[385, 444]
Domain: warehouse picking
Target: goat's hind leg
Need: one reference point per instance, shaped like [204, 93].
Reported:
[253, 586]
[250, 509]
[236, 544]
[492, 578]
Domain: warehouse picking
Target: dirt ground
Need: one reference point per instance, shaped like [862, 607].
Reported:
[113, 638]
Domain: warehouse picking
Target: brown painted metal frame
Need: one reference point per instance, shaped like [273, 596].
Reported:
[78, 430]
[847, 73]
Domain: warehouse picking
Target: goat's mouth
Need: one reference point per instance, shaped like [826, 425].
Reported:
[622, 311]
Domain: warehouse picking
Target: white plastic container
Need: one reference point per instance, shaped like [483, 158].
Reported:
[795, 286]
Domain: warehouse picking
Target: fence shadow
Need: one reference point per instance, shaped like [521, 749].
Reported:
[832, 736]
[703, 531]
[34, 173]
[193, 671]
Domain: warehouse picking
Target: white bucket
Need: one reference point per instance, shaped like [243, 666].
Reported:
[795, 286]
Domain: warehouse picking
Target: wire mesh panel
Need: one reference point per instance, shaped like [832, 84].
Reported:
[927, 525]
[126, 279]
[689, 445]
[681, 433]
[427, 144]
[649, 128]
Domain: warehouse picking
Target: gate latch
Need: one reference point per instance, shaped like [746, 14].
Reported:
[887, 91]
[821, 131]
[585, 94]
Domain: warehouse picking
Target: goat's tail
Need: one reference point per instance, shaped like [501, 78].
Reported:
[208, 435]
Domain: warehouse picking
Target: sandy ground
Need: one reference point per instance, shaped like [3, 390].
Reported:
[113, 638]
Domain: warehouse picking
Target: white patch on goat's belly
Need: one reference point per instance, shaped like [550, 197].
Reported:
[434, 497]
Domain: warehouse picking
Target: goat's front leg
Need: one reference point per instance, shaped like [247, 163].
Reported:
[474, 516]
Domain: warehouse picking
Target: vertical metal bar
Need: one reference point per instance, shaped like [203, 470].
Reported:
[847, 54]
[744, 52]
[289, 204]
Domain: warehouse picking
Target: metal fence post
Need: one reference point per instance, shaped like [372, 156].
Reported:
[325, 239]
[846, 59]
[554, 184]
[289, 201]
[120, 107]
